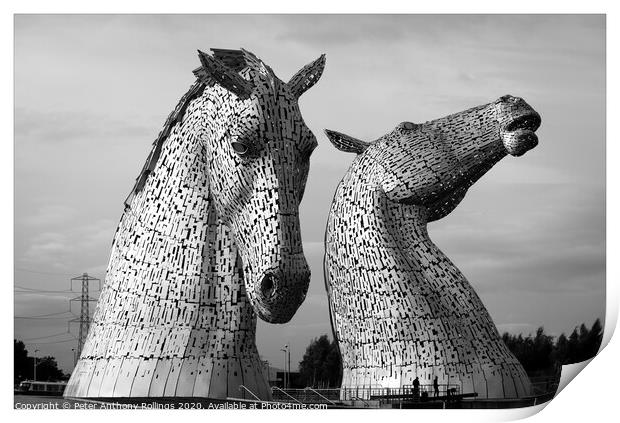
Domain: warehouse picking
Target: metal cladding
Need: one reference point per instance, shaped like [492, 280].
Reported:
[209, 239]
[400, 309]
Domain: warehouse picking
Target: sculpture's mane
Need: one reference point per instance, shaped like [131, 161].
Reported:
[236, 60]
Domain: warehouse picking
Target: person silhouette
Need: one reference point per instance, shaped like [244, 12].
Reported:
[416, 387]
[436, 386]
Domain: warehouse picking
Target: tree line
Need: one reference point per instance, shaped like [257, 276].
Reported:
[47, 367]
[540, 352]
[321, 366]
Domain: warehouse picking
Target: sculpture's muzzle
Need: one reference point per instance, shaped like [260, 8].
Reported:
[518, 124]
[281, 291]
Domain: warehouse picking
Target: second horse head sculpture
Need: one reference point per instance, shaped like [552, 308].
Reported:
[400, 309]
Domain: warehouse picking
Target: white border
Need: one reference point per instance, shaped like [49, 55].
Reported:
[592, 396]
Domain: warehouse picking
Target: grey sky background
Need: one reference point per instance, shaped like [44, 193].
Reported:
[92, 93]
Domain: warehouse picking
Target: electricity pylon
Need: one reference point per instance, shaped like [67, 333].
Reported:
[84, 300]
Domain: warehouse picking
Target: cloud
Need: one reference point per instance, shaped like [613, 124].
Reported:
[82, 246]
[94, 234]
[340, 30]
[542, 246]
[49, 249]
[66, 126]
[48, 215]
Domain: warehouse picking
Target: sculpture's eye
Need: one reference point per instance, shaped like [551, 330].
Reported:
[240, 148]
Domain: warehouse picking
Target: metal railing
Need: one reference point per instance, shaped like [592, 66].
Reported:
[308, 395]
[406, 392]
[543, 388]
[325, 398]
[366, 404]
[336, 396]
[285, 393]
[250, 392]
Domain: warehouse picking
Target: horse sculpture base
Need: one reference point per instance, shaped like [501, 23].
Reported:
[138, 378]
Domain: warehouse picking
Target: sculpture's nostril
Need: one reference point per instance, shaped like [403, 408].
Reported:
[529, 137]
[528, 140]
[267, 285]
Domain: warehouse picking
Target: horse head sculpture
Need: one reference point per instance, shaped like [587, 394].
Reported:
[399, 308]
[434, 163]
[209, 240]
[258, 147]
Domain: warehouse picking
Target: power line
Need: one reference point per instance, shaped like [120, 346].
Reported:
[26, 290]
[48, 336]
[40, 318]
[37, 289]
[40, 291]
[45, 315]
[54, 342]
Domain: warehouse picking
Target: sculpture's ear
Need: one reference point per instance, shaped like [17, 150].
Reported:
[224, 76]
[346, 143]
[307, 76]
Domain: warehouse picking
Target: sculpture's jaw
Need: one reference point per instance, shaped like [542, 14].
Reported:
[518, 123]
[519, 134]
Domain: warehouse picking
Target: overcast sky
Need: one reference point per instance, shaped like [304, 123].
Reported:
[92, 93]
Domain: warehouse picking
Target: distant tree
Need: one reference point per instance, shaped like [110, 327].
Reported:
[543, 347]
[593, 341]
[574, 349]
[22, 365]
[321, 365]
[560, 352]
[333, 366]
[47, 370]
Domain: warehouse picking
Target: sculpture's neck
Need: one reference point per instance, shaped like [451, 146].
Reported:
[393, 229]
[173, 227]
[361, 210]
[406, 223]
